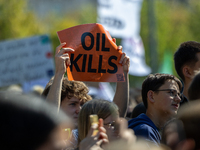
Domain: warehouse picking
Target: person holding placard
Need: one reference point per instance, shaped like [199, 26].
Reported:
[73, 100]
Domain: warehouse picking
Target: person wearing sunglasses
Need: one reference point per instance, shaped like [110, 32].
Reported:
[161, 97]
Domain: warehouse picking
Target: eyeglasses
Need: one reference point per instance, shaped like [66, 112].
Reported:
[172, 92]
[110, 124]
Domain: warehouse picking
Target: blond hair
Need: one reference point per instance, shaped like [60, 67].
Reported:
[102, 108]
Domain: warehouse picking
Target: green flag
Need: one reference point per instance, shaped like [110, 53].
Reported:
[167, 64]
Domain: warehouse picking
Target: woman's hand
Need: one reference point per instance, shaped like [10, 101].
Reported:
[94, 142]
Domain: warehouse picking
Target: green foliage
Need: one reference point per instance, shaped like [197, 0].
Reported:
[54, 22]
[16, 21]
[172, 26]
[193, 19]
[175, 23]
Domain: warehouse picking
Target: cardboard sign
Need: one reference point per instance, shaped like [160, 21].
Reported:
[25, 60]
[96, 57]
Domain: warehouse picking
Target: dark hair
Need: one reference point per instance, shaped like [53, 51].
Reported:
[186, 55]
[190, 117]
[179, 129]
[139, 109]
[70, 89]
[154, 82]
[194, 88]
[26, 121]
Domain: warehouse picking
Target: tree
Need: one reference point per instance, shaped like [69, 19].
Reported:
[16, 20]
[174, 26]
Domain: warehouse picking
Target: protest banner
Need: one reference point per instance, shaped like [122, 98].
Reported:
[96, 57]
[134, 48]
[120, 17]
[25, 60]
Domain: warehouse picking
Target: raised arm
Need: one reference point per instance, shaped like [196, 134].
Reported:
[121, 98]
[61, 59]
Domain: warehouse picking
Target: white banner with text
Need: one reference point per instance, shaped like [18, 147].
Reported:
[25, 60]
[120, 17]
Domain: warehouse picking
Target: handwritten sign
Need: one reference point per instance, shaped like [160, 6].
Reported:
[96, 57]
[24, 60]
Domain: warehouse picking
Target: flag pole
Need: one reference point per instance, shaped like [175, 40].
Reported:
[152, 37]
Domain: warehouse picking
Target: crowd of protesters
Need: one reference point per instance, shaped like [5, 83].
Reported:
[165, 115]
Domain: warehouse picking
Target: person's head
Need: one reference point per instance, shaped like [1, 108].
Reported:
[106, 110]
[189, 115]
[73, 95]
[161, 92]
[28, 122]
[173, 133]
[194, 88]
[187, 59]
[37, 89]
[139, 109]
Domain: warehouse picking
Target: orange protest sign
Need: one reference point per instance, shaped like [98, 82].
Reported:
[96, 57]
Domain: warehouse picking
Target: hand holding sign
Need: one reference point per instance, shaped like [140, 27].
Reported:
[124, 60]
[96, 57]
[62, 58]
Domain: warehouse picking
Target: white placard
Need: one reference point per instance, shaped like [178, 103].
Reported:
[103, 91]
[133, 47]
[24, 60]
[120, 17]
